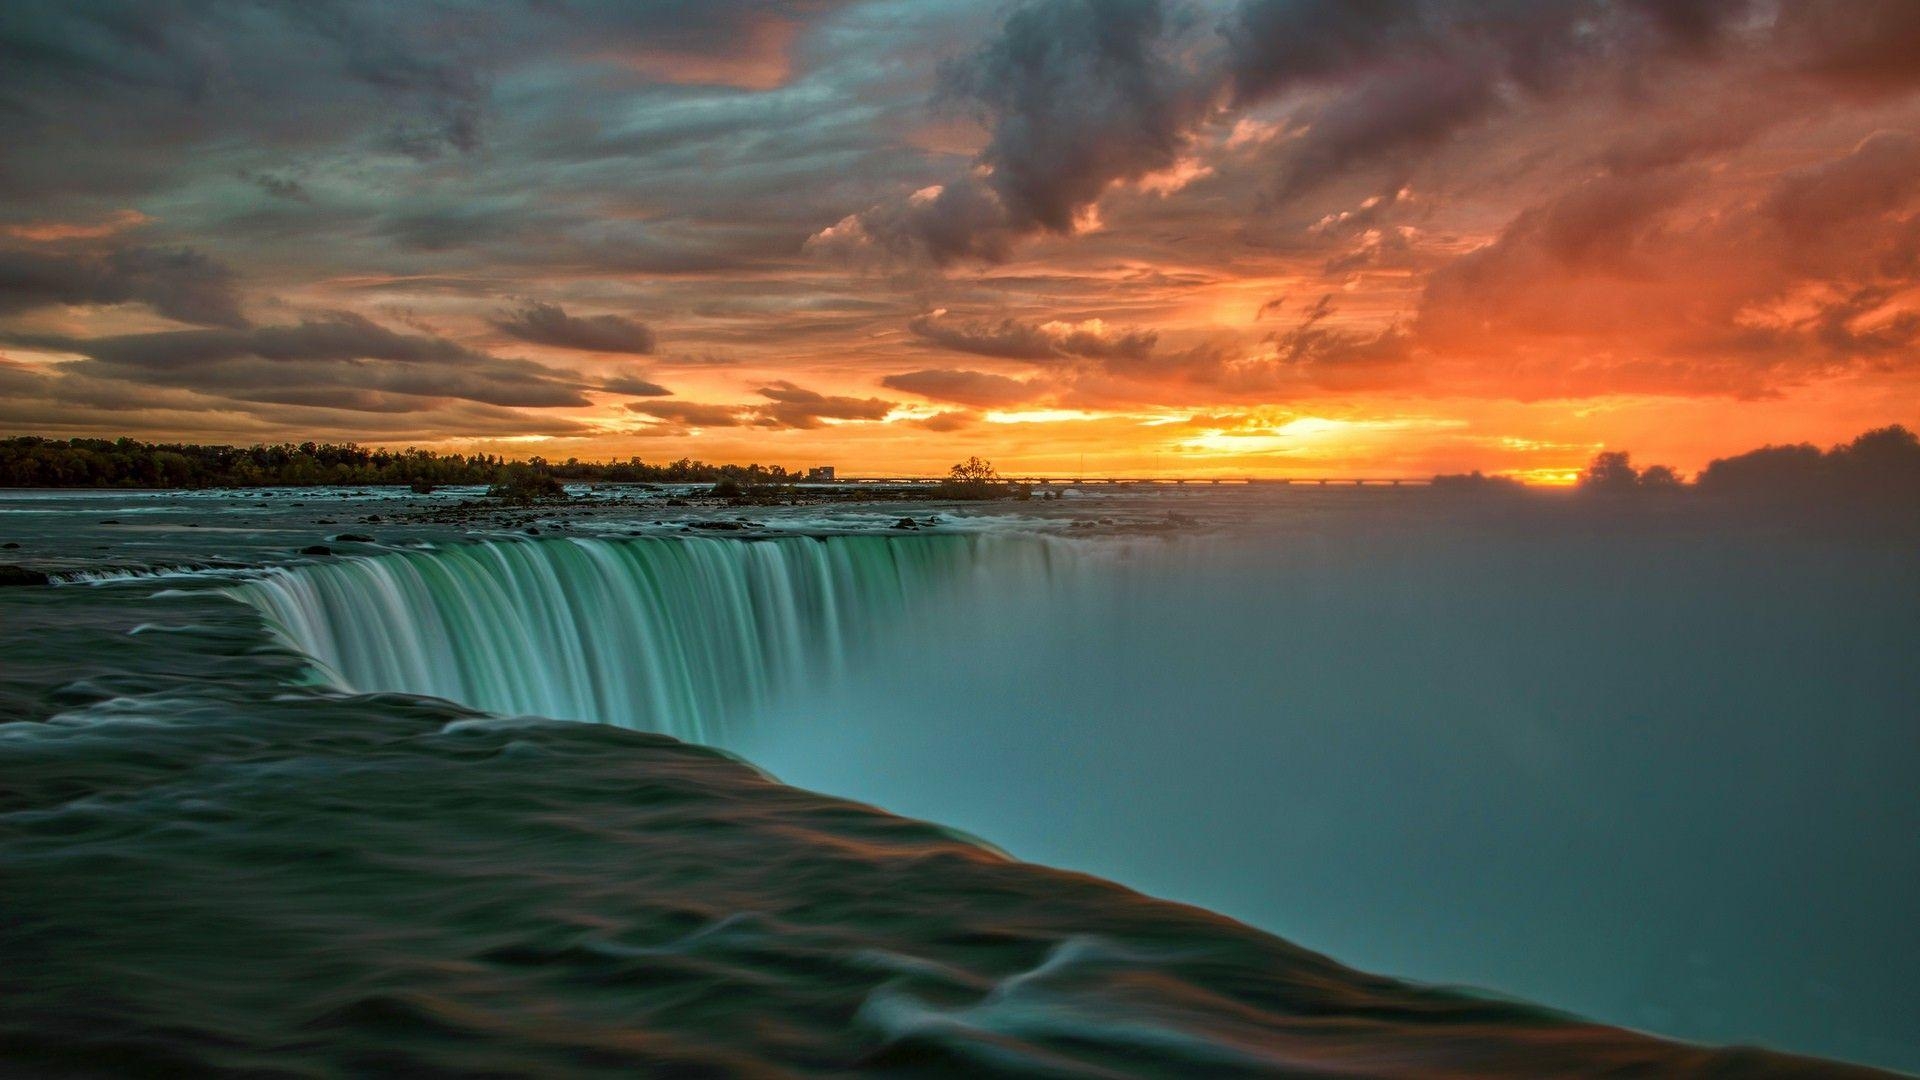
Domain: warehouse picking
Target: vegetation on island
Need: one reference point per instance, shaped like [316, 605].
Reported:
[977, 479]
[525, 484]
[1476, 481]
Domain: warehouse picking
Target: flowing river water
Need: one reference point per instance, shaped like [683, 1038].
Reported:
[285, 814]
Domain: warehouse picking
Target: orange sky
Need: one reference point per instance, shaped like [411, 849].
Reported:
[1242, 237]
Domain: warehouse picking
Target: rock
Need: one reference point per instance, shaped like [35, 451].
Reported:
[353, 538]
[316, 549]
[906, 523]
[422, 487]
[9, 545]
[20, 575]
[111, 521]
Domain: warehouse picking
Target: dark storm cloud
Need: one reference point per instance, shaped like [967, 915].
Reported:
[1077, 94]
[1080, 96]
[549, 324]
[1403, 75]
[1280, 45]
[977, 388]
[179, 283]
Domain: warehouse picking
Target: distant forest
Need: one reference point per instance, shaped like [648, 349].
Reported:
[1879, 462]
[32, 462]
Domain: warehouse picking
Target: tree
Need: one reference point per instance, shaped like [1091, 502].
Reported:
[1610, 470]
[1659, 477]
[975, 478]
[974, 471]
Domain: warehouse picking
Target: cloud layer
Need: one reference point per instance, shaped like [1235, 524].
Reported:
[1500, 232]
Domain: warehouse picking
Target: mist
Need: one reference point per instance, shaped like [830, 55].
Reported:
[1652, 765]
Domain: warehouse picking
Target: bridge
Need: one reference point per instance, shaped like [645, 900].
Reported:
[1140, 481]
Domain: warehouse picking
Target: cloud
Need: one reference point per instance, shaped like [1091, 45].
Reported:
[1077, 95]
[1398, 78]
[633, 386]
[278, 186]
[690, 414]
[1015, 339]
[797, 407]
[1863, 47]
[339, 360]
[66, 399]
[951, 420]
[1331, 355]
[976, 388]
[1879, 175]
[549, 324]
[180, 283]
[787, 406]
[1636, 283]
[1505, 199]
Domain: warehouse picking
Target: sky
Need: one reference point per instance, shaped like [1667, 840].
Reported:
[1139, 237]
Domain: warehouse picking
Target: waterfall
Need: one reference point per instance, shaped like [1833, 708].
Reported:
[676, 635]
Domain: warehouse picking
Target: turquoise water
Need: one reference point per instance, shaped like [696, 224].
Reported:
[302, 813]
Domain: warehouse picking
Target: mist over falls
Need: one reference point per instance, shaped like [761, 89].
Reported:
[1653, 772]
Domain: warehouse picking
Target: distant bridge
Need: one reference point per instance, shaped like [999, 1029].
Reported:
[1142, 481]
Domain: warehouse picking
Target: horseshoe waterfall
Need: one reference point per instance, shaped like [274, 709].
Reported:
[670, 635]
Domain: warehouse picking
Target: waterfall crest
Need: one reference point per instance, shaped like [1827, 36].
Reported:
[676, 635]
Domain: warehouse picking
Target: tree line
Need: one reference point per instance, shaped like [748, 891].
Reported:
[33, 462]
[1878, 462]
[1884, 461]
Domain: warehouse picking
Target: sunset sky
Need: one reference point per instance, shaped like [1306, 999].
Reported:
[1243, 237]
